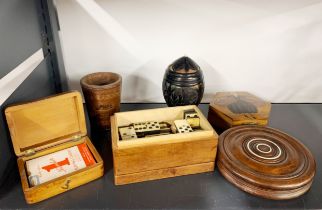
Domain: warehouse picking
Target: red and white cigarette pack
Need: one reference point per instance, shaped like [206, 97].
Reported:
[51, 166]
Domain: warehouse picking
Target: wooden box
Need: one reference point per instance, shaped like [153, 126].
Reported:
[229, 109]
[163, 156]
[45, 126]
[265, 162]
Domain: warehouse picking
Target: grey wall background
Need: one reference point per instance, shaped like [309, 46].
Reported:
[24, 28]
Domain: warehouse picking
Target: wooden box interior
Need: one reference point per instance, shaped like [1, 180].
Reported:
[47, 126]
[160, 114]
[22, 160]
[44, 123]
[163, 156]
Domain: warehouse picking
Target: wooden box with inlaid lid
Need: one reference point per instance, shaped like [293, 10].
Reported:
[163, 156]
[45, 127]
[230, 109]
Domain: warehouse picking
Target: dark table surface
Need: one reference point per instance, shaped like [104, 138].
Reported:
[200, 191]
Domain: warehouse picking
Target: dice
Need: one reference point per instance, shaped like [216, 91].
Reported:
[183, 126]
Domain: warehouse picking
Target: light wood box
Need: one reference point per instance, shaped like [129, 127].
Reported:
[163, 156]
[46, 126]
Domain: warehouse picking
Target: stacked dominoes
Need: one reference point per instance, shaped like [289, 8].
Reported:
[144, 129]
[189, 122]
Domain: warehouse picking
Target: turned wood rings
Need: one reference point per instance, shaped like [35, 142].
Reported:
[265, 162]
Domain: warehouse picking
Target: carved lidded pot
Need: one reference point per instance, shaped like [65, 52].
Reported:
[183, 83]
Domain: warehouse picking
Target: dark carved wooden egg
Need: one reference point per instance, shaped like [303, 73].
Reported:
[183, 83]
[265, 162]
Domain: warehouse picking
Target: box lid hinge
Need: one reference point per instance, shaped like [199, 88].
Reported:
[29, 152]
[77, 137]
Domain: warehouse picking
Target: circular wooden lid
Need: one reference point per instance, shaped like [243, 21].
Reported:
[265, 162]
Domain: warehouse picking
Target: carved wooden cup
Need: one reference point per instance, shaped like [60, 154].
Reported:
[102, 92]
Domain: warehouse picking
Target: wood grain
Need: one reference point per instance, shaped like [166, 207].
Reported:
[144, 158]
[229, 109]
[164, 173]
[44, 123]
[102, 93]
[46, 126]
[63, 183]
[265, 162]
[151, 158]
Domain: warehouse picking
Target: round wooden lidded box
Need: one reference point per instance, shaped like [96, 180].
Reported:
[265, 162]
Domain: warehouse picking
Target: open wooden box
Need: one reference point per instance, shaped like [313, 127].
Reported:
[45, 126]
[163, 156]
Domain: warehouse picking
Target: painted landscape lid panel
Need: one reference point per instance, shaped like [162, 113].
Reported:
[265, 162]
[238, 106]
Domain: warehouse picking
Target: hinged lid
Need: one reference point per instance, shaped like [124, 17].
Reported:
[240, 106]
[47, 122]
